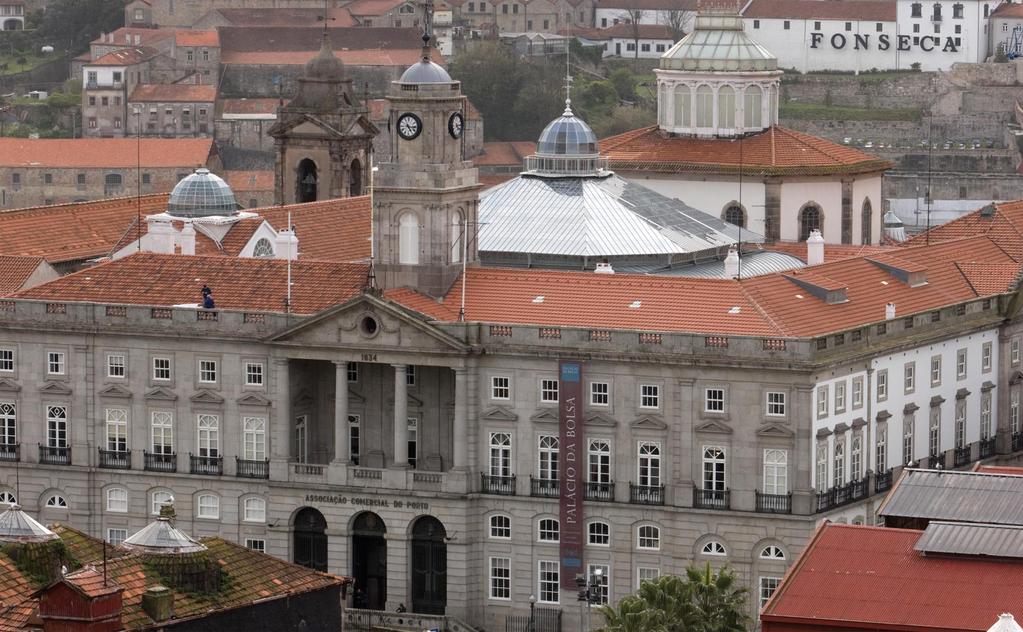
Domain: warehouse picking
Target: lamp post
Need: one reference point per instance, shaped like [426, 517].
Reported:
[532, 611]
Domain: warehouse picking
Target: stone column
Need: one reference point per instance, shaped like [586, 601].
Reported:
[341, 442]
[279, 448]
[400, 417]
[461, 426]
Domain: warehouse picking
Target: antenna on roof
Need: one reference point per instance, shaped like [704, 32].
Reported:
[930, 146]
[427, 28]
[325, 18]
[465, 252]
[738, 271]
[287, 299]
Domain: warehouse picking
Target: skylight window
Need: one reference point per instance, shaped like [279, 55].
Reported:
[799, 296]
[735, 310]
[538, 299]
[635, 304]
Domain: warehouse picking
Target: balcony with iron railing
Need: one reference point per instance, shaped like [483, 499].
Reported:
[10, 452]
[882, 481]
[500, 485]
[843, 494]
[245, 468]
[987, 448]
[1017, 441]
[50, 455]
[774, 503]
[207, 465]
[115, 459]
[544, 487]
[159, 462]
[711, 498]
[602, 492]
[646, 494]
[962, 456]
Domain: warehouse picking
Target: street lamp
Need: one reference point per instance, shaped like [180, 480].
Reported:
[532, 610]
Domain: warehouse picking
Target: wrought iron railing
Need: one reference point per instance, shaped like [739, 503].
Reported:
[544, 487]
[962, 456]
[774, 503]
[500, 485]
[245, 468]
[115, 459]
[10, 452]
[49, 455]
[208, 465]
[711, 498]
[646, 494]
[601, 491]
[883, 481]
[987, 448]
[159, 462]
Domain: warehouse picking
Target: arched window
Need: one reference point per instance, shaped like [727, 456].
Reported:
[117, 500]
[714, 547]
[810, 219]
[549, 530]
[599, 533]
[735, 214]
[56, 500]
[207, 506]
[355, 179]
[838, 464]
[158, 499]
[457, 245]
[771, 552]
[254, 510]
[704, 107]
[408, 239]
[263, 249]
[866, 219]
[752, 107]
[648, 537]
[306, 181]
[683, 106]
[8, 498]
[726, 107]
[500, 527]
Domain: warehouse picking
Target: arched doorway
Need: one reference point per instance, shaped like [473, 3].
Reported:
[305, 190]
[310, 539]
[429, 567]
[369, 561]
[355, 179]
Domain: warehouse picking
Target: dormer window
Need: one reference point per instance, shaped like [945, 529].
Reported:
[263, 249]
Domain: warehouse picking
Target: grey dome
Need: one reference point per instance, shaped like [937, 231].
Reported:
[425, 71]
[567, 135]
[325, 66]
[201, 194]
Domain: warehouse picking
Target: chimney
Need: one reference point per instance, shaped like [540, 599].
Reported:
[814, 248]
[286, 245]
[604, 268]
[160, 237]
[732, 264]
[158, 603]
[138, 39]
[102, 36]
[127, 38]
[889, 311]
[187, 239]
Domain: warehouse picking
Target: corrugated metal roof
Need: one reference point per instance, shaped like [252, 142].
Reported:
[594, 217]
[957, 496]
[953, 538]
[752, 264]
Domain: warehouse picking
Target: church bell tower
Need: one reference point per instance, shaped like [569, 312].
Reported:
[323, 137]
[426, 194]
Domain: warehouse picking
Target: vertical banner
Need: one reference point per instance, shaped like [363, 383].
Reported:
[571, 469]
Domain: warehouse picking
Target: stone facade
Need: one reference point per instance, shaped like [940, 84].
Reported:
[23, 187]
[171, 119]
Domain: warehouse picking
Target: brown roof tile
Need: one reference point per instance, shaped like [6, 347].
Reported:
[865, 10]
[250, 180]
[15, 271]
[126, 56]
[624, 5]
[330, 230]
[284, 39]
[832, 252]
[339, 17]
[104, 153]
[174, 92]
[249, 106]
[205, 37]
[362, 57]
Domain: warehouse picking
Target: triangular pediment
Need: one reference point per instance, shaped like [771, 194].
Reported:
[161, 393]
[545, 416]
[498, 413]
[205, 396]
[115, 390]
[775, 430]
[393, 328]
[302, 125]
[362, 126]
[713, 426]
[412, 401]
[600, 419]
[55, 388]
[355, 398]
[8, 385]
[648, 422]
[253, 399]
[1017, 377]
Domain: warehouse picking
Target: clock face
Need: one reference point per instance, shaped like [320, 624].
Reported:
[409, 126]
[455, 125]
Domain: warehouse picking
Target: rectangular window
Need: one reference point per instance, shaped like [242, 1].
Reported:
[936, 370]
[161, 369]
[776, 404]
[848, 26]
[1014, 351]
[881, 449]
[254, 438]
[500, 387]
[960, 424]
[599, 581]
[776, 471]
[646, 574]
[648, 538]
[856, 458]
[256, 544]
[649, 396]
[55, 363]
[600, 394]
[116, 536]
[8, 423]
[630, 47]
[714, 469]
[838, 464]
[413, 440]
[645, 48]
[549, 581]
[909, 377]
[907, 441]
[6, 360]
[714, 400]
[56, 426]
[353, 372]
[410, 375]
[547, 458]
[1014, 419]
[208, 371]
[880, 27]
[786, 25]
[353, 437]
[882, 385]
[500, 578]
[117, 429]
[599, 456]
[767, 587]
[821, 480]
[47, 178]
[208, 435]
[549, 391]
[822, 401]
[162, 432]
[253, 373]
[857, 392]
[840, 397]
[816, 26]
[961, 364]
[985, 357]
[934, 432]
[649, 464]
[756, 24]
[115, 365]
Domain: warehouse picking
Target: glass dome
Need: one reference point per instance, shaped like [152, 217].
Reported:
[201, 194]
[567, 135]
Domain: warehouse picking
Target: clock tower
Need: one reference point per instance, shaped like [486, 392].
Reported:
[425, 194]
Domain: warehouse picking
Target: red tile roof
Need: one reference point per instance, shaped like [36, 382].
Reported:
[865, 10]
[174, 92]
[1003, 222]
[15, 271]
[249, 106]
[373, 8]
[775, 151]
[832, 252]
[205, 37]
[1011, 470]
[250, 180]
[505, 153]
[126, 56]
[91, 583]
[104, 153]
[240, 284]
[339, 17]
[329, 230]
[860, 577]
[147, 37]
[1008, 10]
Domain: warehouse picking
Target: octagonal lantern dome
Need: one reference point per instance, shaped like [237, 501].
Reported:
[202, 194]
[567, 147]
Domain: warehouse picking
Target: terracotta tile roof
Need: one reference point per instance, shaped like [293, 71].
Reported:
[126, 56]
[15, 271]
[240, 284]
[864, 10]
[205, 37]
[998, 469]
[362, 57]
[91, 582]
[989, 278]
[505, 153]
[72, 232]
[645, 31]
[330, 230]
[339, 17]
[684, 5]
[832, 252]
[203, 244]
[1008, 10]
[1003, 222]
[775, 151]
[249, 106]
[174, 92]
[119, 37]
[238, 237]
[425, 305]
[861, 577]
[104, 153]
[250, 180]
[300, 38]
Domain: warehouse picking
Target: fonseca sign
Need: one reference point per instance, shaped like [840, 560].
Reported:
[926, 43]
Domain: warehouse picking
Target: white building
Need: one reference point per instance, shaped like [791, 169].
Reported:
[858, 35]
[1007, 29]
[630, 41]
[678, 14]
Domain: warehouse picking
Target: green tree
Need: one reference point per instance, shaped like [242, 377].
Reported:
[624, 82]
[702, 601]
[71, 24]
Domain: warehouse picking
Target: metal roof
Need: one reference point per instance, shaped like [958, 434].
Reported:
[752, 264]
[956, 496]
[718, 43]
[595, 217]
[160, 537]
[18, 526]
[954, 538]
